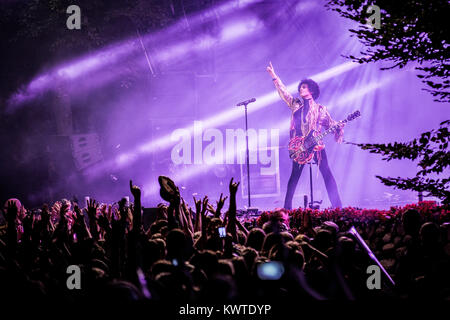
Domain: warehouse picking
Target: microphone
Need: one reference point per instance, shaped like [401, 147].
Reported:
[246, 102]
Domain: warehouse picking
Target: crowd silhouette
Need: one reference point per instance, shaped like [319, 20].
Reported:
[202, 254]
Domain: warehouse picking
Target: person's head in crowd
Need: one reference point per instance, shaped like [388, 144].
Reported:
[156, 226]
[411, 222]
[255, 239]
[323, 240]
[175, 286]
[178, 245]
[154, 250]
[295, 255]
[287, 236]
[429, 235]
[212, 226]
[225, 267]
[270, 240]
[214, 242]
[161, 266]
[101, 265]
[278, 221]
[445, 232]
[345, 248]
[206, 260]
[250, 255]
[241, 270]
[331, 226]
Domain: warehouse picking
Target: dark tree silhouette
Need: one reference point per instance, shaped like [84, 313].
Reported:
[432, 152]
[410, 32]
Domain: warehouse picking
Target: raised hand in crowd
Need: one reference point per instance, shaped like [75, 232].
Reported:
[47, 227]
[203, 213]
[104, 220]
[201, 220]
[232, 211]
[188, 217]
[11, 211]
[11, 215]
[137, 210]
[61, 233]
[198, 216]
[80, 228]
[27, 224]
[220, 203]
[92, 207]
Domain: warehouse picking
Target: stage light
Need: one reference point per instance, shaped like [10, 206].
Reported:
[110, 56]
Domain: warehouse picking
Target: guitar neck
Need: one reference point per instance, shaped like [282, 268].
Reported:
[331, 129]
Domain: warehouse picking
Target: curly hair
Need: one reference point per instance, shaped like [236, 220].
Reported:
[312, 86]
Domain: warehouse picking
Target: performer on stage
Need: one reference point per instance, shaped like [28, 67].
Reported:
[308, 115]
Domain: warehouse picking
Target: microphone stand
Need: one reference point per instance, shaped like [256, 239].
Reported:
[312, 204]
[245, 103]
[247, 155]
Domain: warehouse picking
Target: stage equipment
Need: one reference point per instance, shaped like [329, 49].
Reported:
[245, 103]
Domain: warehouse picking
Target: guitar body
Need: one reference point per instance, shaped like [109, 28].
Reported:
[301, 149]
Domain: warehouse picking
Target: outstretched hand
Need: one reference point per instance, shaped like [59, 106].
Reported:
[203, 214]
[271, 70]
[45, 214]
[135, 190]
[92, 206]
[204, 205]
[198, 205]
[79, 218]
[78, 213]
[11, 211]
[211, 209]
[221, 202]
[233, 187]
[63, 210]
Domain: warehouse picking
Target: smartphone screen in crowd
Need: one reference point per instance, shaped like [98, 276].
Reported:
[272, 270]
[222, 232]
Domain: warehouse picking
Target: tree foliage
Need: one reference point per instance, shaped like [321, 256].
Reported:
[431, 149]
[410, 31]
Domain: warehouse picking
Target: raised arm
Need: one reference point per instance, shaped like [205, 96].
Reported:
[231, 223]
[137, 213]
[281, 88]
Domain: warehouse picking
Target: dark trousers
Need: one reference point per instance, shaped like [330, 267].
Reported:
[328, 178]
